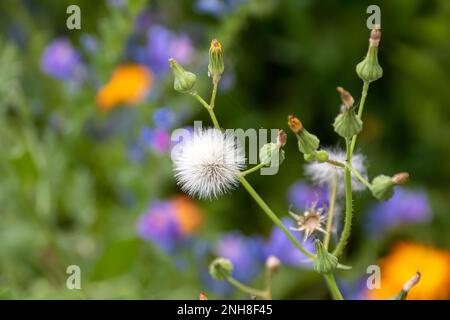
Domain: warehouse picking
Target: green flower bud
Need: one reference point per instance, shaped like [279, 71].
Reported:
[322, 156]
[369, 69]
[347, 123]
[382, 187]
[215, 66]
[307, 142]
[309, 157]
[220, 269]
[270, 150]
[325, 261]
[184, 80]
[407, 287]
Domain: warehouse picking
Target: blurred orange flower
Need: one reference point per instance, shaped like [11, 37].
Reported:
[129, 84]
[402, 263]
[188, 214]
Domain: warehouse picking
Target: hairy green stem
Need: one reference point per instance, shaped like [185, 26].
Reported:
[348, 206]
[365, 89]
[326, 240]
[332, 286]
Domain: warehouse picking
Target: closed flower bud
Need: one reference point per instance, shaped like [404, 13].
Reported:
[307, 142]
[184, 80]
[346, 97]
[322, 156]
[325, 261]
[382, 187]
[400, 178]
[270, 150]
[281, 138]
[272, 263]
[202, 296]
[215, 66]
[347, 123]
[406, 287]
[369, 69]
[220, 269]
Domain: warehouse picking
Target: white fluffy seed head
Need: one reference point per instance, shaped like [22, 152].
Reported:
[324, 173]
[207, 163]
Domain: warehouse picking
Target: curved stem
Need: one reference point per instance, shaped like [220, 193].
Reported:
[249, 290]
[326, 240]
[273, 216]
[331, 282]
[251, 170]
[348, 206]
[365, 89]
[360, 177]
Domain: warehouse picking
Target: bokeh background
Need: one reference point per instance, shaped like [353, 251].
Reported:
[85, 123]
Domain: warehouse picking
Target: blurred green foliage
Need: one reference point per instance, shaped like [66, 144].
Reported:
[63, 195]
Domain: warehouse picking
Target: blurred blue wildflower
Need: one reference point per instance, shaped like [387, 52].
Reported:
[62, 61]
[281, 247]
[156, 139]
[164, 118]
[355, 290]
[164, 44]
[301, 195]
[89, 43]
[406, 206]
[159, 225]
[218, 8]
[246, 254]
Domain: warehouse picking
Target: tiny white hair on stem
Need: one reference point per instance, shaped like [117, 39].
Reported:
[323, 174]
[207, 164]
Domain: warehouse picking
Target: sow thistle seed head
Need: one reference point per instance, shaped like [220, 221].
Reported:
[311, 221]
[208, 163]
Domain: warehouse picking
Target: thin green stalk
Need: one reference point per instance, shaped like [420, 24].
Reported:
[348, 206]
[365, 89]
[208, 108]
[273, 216]
[214, 93]
[331, 282]
[249, 290]
[326, 240]
[360, 177]
[251, 170]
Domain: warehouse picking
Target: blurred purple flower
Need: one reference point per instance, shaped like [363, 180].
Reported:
[217, 8]
[281, 247]
[156, 139]
[159, 225]
[164, 44]
[356, 290]
[302, 195]
[246, 254]
[404, 207]
[89, 43]
[62, 61]
[164, 118]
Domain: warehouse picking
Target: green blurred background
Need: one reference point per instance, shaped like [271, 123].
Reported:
[70, 197]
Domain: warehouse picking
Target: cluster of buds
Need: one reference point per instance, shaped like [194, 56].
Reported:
[383, 186]
[347, 123]
[369, 69]
[184, 81]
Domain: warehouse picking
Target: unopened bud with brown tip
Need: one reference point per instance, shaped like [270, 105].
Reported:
[281, 138]
[272, 263]
[407, 287]
[346, 97]
[294, 123]
[202, 296]
[375, 36]
[400, 178]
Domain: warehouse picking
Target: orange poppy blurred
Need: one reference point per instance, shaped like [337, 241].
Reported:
[188, 214]
[404, 260]
[129, 84]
